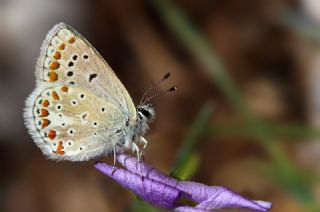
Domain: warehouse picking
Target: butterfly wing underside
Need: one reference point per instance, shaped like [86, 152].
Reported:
[78, 105]
[68, 58]
[70, 123]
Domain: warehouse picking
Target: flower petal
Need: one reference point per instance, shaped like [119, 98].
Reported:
[147, 171]
[264, 204]
[157, 194]
[197, 192]
[189, 209]
[163, 191]
[217, 197]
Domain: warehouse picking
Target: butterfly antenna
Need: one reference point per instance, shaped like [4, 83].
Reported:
[174, 88]
[165, 77]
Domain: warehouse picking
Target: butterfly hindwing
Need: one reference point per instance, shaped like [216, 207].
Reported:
[71, 123]
[67, 58]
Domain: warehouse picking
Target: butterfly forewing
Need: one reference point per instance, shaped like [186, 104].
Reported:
[79, 104]
[67, 58]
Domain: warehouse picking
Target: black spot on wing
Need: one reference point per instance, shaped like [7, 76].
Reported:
[70, 64]
[69, 73]
[92, 76]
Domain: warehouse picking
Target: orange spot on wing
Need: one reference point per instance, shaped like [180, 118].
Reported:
[71, 40]
[44, 113]
[64, 89]
[53, 76]
[60, 148]
[55, 95]
[57, 55]
[62, 46]
[45, 122]
[51, 134]
[54, 65]
[60, 152]
[45, 103]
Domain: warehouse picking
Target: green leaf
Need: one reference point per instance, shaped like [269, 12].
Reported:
[187, 169]
[187, 161]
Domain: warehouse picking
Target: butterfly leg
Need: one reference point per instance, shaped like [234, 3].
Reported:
[136, 149]
[114, 160]
[143, 141]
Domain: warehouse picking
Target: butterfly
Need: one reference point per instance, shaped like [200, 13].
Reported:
[79, 109]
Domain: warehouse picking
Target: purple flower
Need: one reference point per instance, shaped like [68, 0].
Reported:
[168, 193]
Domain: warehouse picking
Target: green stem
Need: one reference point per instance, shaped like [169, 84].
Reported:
[193, 137]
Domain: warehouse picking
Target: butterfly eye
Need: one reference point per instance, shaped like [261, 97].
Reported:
[95, 124]
[103, 109]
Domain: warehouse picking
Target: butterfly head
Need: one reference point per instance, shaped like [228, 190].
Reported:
[146, 112]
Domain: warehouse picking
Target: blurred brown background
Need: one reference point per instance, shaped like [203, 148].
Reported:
[273, 62]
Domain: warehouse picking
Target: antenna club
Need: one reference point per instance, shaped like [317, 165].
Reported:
[167, 75]
[174, 88]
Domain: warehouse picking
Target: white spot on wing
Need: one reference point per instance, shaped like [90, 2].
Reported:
[56, 41]
[47, 62]
[50, 51]
[64, 33]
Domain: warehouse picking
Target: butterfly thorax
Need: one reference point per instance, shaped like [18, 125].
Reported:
[146, 114]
